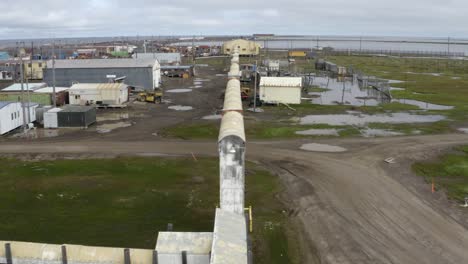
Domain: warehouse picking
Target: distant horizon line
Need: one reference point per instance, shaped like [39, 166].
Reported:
[236, 35]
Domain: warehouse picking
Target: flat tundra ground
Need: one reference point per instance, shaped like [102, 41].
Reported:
[350, 207]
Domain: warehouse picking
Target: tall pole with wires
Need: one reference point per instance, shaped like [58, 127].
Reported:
[54, 96]
[22, 86]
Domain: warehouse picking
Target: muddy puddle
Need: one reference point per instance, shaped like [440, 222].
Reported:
[346, 91]
[179, 91]
[315, 147]
[349, 91]
[39, 133]
[397, 89]
[107, 128]
[371, 132]
[423, 105]
[212, 117]
[101, 117]
[180, 107]
[319, 132]
[395, 81]
[363, 119]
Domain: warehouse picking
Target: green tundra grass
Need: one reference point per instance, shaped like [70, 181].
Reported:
[449, 172]
[124, 202]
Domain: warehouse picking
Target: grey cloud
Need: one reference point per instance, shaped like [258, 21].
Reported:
[61, 18]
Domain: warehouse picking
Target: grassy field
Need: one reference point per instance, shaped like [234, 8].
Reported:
[450, 173]
[438, 81]
[124, 202]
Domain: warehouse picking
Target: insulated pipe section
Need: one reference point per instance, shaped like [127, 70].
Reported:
[234, 71]
[231, 149]
[232, 98]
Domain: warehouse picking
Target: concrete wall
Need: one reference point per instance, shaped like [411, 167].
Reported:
[137, 77]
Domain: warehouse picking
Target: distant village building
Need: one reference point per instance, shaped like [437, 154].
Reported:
[286, 90]
[33, 69]
[138, 73]
[4, 55]
[245, 47]
[163, 57]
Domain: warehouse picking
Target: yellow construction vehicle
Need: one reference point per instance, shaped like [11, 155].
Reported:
[151, 97]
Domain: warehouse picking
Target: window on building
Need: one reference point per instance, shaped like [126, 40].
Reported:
[40, 64]
[29, 65]
[12, 116]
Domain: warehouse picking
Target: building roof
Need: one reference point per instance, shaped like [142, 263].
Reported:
[4, 55]
[176, 67]
[76, 108]
[51, 89]
[5, 103]
[161, 57]
[192, 242]
[16, 87]
[97, 86]
[229, 239]
[104, 63]
[281, 81]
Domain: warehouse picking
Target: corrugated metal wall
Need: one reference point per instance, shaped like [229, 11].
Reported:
[137, 77]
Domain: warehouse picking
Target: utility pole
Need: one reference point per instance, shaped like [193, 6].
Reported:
[54, 97]
[360, 44]
[22, 86]
[193, 49]
[448, 47]
[255, 88]
[27, 87]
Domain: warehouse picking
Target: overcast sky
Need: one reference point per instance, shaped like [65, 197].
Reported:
[88, 18]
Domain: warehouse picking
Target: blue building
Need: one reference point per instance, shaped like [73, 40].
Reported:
[4, 55]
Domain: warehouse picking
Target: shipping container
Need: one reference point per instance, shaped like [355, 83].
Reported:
[77, 116]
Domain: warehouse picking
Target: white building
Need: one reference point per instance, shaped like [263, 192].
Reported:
[163, 58]
[11, 115]
[285, 90]
[112, 94]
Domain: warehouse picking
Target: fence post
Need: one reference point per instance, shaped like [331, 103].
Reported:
[184, 257]
[64, 255]
[127, 256]
[155, 257]
[9, 259]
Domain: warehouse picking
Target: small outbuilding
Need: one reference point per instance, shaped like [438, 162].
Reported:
[287, 90]
[108, 94]
[76, 116]
[50, 118]
[245, 47]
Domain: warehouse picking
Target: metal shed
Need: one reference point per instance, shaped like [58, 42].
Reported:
[139, 73]
[285, 90]
[76, 116]
[51, 118]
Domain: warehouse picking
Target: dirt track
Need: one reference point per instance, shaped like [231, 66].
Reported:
[353, 207]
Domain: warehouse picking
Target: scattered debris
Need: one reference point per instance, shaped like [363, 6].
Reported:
[390, 160]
